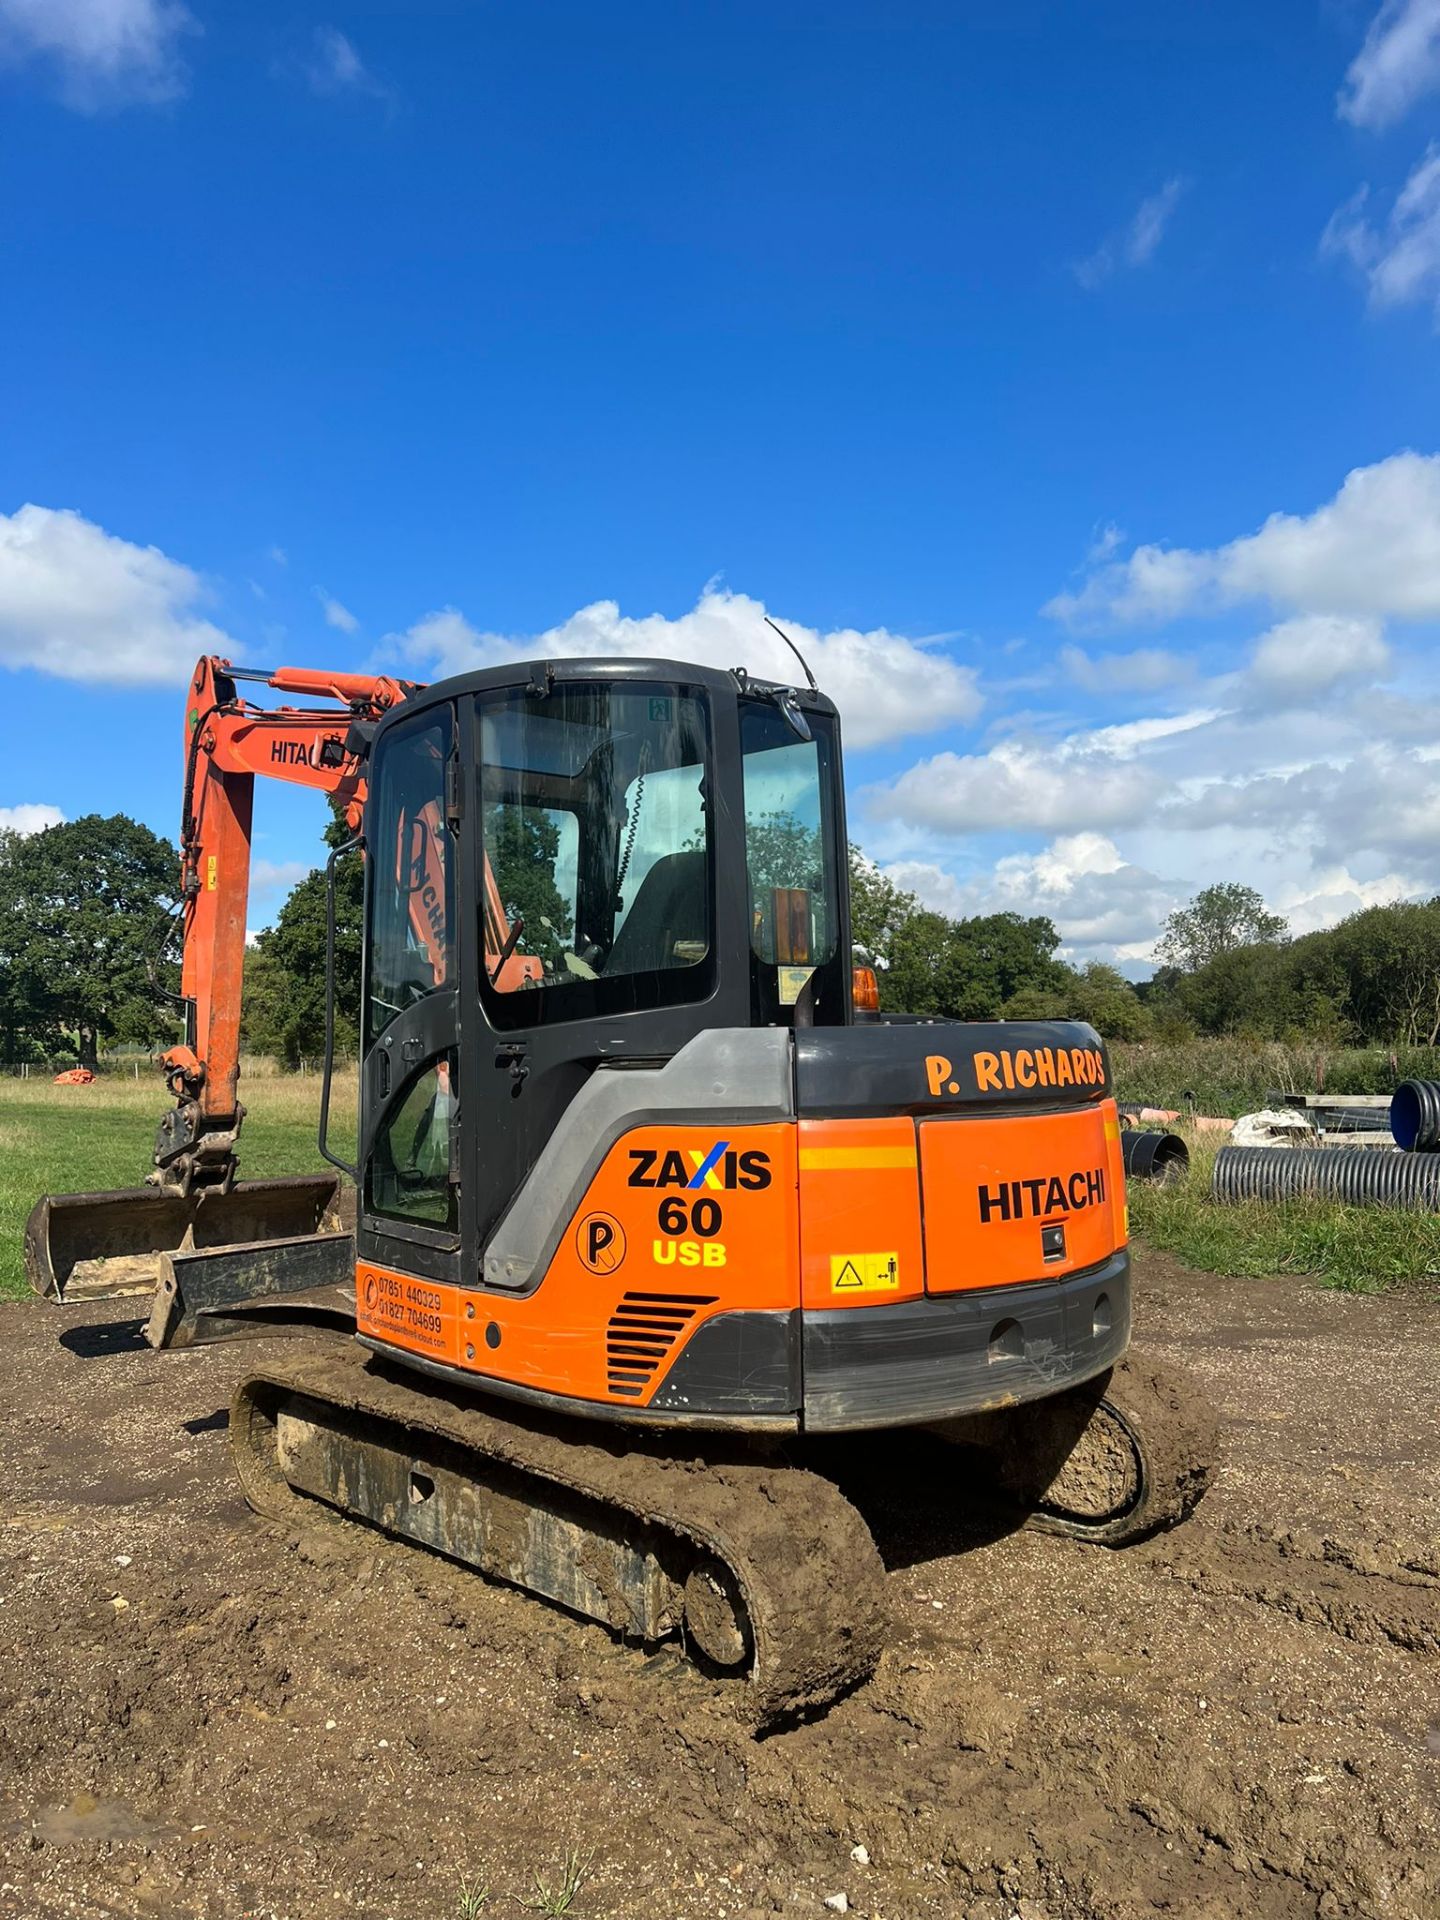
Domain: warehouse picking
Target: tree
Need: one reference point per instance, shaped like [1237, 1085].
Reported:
[1103, 996]
[524, 844]
[284, 1011]
[84, 913]
[879, 909]
[969, 969]
[1217, 920]
[1389, 958]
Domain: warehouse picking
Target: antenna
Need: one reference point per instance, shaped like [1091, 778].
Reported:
[814, 684]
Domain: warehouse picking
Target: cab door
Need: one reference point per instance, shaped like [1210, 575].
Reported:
[409, 1210]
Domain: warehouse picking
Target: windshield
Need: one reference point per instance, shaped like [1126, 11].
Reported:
[596, 831]
[787, 842]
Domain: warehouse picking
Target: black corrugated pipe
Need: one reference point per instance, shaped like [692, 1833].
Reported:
[1415, 1115]
[1362, 1176]
[1154, 1156]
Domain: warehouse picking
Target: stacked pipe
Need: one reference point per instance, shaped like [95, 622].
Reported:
[1409, 1178]
[1360, 1178]
[1415, 1116]
[1163, 1157]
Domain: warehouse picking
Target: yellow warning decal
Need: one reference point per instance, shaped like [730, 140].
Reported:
[211, 874]
[864, 1272]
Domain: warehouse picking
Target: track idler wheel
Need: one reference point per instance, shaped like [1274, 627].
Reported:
[1123, 1456]
[715, 1616]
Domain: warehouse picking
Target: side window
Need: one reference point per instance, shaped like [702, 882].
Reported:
[408, 1177]
[791, 916]
[410, 859]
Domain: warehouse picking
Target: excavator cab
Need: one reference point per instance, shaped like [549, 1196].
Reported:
[653, 852]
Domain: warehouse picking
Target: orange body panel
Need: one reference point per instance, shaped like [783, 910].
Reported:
[642, 1229]
[992, 1186]
[859, 1195]
[682, 1223]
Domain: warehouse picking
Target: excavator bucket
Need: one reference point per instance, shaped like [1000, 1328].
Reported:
[92, 1246]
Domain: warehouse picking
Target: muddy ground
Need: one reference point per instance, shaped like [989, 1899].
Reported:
[203, 1716]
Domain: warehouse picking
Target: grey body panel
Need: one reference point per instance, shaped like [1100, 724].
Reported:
[731, 1077]
[963, 1352]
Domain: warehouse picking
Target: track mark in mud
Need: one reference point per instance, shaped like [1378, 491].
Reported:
[1373, 1595]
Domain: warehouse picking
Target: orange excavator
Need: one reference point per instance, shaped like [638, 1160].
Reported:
[650, 1210]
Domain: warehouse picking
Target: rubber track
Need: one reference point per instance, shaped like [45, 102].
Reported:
[811, 1577]
[1178, 1438]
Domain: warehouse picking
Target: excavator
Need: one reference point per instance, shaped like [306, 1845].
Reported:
[651, 1213]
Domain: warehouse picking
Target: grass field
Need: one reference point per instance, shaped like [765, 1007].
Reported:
[1235, 1075]
[86, 1139]
[1356, 1249]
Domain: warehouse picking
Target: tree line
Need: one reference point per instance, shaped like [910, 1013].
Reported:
[88, 959]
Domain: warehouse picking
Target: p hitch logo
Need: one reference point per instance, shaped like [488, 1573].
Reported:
[600, 1242]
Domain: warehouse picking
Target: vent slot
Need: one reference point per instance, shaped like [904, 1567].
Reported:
[643, 1330]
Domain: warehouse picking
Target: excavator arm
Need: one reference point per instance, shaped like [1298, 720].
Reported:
[229, 741]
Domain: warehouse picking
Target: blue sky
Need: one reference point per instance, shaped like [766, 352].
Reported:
[1064, 377]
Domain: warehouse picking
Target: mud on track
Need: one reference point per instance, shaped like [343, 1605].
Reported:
[1238, 1719]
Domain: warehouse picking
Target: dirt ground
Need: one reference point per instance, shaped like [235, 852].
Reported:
[203, 1716]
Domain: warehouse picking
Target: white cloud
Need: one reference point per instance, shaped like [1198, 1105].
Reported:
[266, 875]
[1399, 257]
[1334, 893]
[1398, 64]
[1302, 658]
[30, 816]
[1372, 550]
[106, 52]
[336, 615]
[1102, 906]
[1135, 244]
[1093, 780]
[1018, 786]
[885, 685]
[1146, 670]
[332, 65]
[81, 604]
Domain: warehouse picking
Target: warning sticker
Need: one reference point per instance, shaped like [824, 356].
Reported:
[792, 982]
[864, 1272]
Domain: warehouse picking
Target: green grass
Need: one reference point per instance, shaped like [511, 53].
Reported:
[87, 1139]
[1354, 1249]
[1233, 1076]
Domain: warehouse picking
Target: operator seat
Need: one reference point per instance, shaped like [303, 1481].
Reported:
[669, 908]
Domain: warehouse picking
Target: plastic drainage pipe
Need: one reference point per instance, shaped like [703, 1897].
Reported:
[1154, 1156]
[1415, 1116]
[1361, 1176]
